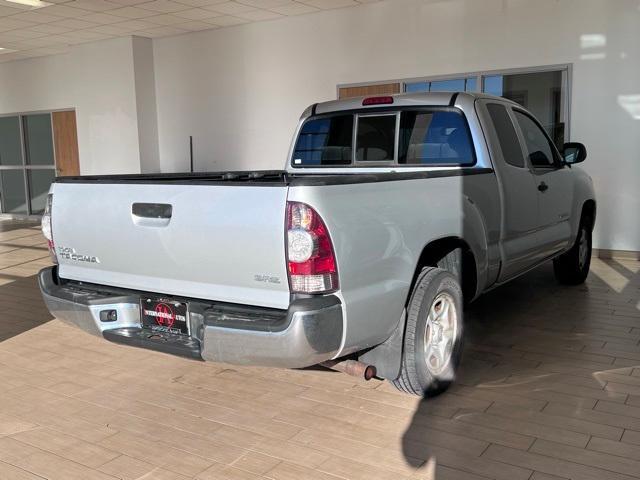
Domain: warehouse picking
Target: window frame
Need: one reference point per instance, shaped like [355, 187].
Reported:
[557, 159]
[389, 110]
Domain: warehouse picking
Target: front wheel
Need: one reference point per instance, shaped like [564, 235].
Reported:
[572, 267]
[433, 336]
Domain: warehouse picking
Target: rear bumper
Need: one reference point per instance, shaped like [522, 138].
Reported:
[309, 332]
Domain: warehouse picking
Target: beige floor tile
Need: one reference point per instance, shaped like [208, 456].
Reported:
[66, 446]
[548, 390]
[288, 471]
[54, 467]
[344, 468]
[549, 465]
[225, 472]
[127, 468]
[544, 476]
[592, 458]
[14, 473]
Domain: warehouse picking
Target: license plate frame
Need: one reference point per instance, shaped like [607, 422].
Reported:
[165, 315]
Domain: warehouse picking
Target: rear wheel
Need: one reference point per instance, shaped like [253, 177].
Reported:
[572, 267]
[433, 336]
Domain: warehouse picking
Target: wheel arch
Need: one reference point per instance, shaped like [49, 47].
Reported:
[436, 250]
[589, 210]
[387, 357]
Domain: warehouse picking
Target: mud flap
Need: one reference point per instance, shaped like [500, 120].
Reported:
[387, 357]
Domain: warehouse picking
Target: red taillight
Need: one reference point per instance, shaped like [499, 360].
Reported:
[47, 229]
[311, 259]
[386, 100]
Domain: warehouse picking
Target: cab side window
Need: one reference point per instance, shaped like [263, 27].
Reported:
[537, 144]
[507, 136]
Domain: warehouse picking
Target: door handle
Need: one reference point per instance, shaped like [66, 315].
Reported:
[543, 187]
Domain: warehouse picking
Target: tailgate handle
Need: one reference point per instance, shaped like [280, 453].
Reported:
[152, 210]
[151, 214]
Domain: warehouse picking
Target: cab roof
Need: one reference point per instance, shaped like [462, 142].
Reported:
[399, 100]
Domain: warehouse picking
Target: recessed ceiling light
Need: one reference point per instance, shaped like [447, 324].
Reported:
[31, 3]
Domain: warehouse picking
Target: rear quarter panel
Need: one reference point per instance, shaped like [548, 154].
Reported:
[379, 230]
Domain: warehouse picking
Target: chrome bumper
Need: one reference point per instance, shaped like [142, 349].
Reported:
[309, 332]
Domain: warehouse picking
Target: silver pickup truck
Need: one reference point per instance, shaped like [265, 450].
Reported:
[391, 213]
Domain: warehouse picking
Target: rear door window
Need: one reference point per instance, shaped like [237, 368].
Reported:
[325, 141]
[439, 137]
[507, 136]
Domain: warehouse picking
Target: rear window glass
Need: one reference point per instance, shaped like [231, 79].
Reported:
[435, 138]
[325, 141]
[376, 138]
[427, 137]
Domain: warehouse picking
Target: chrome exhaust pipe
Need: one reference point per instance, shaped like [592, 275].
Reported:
[352, 367]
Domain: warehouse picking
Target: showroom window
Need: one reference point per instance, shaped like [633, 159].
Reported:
[468, 84]
[27, 163]
[544, 91]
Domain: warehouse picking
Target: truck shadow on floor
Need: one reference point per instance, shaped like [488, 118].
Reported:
[21, 306]
[535, 352]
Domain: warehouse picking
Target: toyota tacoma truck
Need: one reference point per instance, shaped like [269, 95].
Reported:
[391, 213]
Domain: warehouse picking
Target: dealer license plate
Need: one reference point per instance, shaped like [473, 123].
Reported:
[164, 315]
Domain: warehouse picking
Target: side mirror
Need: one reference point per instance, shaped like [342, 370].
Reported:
[574, 152]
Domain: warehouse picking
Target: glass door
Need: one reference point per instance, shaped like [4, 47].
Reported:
[13, 198]
[27, 163]
[40, 159]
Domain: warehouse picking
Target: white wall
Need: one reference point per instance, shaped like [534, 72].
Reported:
[239, 91]
[98, 81]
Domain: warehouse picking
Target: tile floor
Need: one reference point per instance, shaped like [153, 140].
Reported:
[549, 389]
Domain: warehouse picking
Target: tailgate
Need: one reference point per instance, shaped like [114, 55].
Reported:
[217, 242]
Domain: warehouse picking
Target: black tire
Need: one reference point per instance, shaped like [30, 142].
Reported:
[572, 267]
[433, 286]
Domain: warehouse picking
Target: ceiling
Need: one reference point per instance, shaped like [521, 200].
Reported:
[54, 26]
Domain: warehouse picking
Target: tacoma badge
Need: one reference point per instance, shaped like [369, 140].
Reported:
[71, 254]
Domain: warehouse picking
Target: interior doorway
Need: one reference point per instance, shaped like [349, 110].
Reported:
[364, 90]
